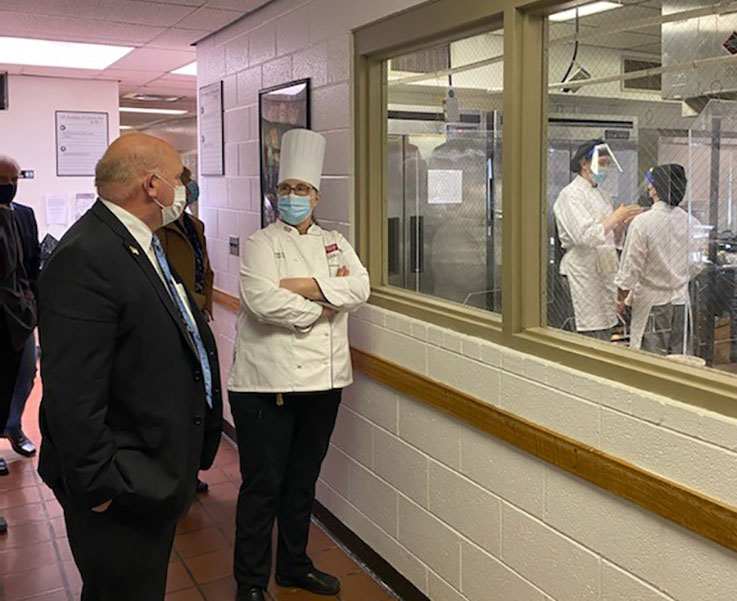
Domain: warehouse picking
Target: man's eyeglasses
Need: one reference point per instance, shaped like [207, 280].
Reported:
[299, 189]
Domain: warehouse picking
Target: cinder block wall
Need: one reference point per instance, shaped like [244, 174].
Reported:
[460, 514]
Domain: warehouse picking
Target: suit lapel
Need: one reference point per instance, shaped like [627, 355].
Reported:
[134, 250]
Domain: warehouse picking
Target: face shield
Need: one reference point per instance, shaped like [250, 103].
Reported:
[602, 158]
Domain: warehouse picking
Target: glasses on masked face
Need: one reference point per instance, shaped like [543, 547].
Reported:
[299, 189]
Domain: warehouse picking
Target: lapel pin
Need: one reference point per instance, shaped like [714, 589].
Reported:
[134, 250]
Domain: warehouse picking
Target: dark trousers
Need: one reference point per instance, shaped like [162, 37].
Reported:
[9, 365]
[281, 450]
[23, 385]
[664, 330]
[120, 556]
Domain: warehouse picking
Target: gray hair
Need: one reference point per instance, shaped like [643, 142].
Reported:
[123, 170]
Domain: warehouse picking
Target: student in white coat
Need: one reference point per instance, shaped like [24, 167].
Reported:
[661, 255]
[292, 359]
[590, 228]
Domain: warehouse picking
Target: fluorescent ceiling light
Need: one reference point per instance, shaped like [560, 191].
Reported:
[130, 109]
[71, 55]
[190, 69]
[584, 11]
[126, 127]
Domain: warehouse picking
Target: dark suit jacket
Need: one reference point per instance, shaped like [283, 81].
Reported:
[123, 413]
[28, 228]
[180, 255]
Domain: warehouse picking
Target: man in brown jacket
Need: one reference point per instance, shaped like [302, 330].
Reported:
[184, 243]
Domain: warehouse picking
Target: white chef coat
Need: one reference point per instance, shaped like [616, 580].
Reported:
[144, 236]
[282, 344]
[661, 255]
[590, 262]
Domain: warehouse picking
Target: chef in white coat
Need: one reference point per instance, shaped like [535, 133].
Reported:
[590, 228]
[291, 361]
[662, 253]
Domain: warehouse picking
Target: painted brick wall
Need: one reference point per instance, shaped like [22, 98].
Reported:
[463, 516]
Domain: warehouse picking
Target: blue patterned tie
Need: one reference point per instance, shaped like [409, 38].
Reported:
[204, 362]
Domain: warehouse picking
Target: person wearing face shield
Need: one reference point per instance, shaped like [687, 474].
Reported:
[661, 255]
[590, 228]
[131, 406]
[292, 360]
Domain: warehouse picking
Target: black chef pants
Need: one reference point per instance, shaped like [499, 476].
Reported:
[281, 449]
[119, 556]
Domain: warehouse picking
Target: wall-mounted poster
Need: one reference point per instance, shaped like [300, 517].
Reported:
[210, 107]
[281, 108]
[81, 140]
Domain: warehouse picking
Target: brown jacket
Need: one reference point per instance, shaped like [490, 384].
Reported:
[180, 254]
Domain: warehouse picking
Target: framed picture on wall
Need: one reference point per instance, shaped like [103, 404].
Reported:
[280, 108]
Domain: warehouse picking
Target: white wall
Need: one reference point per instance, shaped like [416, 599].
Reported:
[27, 133]
[461, 515]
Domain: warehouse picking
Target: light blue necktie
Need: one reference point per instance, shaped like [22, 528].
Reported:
[191, 328]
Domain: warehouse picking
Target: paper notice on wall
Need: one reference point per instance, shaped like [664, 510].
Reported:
[444, 186]
[57, 209]
[83, 202]
[81, 140]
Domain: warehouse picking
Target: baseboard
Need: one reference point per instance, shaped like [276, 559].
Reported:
[381, 568]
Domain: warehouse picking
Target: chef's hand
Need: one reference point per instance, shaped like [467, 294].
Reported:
[622, 215]
[102, 508]
[343, 272]
[327, 313]
[621, 308]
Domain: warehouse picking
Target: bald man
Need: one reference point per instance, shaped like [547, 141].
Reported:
[131, 405]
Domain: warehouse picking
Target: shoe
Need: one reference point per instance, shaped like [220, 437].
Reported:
[20, 443]
[4, 471]
[252, 594]
[202, 486]
[315, 581]
[3, 525]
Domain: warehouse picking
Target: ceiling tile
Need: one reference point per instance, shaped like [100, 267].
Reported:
[118, 11]
[74, 28]
[59, 72]
[155, 59]
[137, 78]
[208, 18]
[244, 6]
[180, 2]
[177, 38]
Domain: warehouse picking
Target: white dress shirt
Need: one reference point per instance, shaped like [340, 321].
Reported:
[144, 236]
[282, 343]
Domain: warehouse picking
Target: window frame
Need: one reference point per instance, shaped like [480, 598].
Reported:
[521, 325]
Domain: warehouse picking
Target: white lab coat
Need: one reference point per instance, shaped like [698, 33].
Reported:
[590, 262]
[661, 255]
[282, 344]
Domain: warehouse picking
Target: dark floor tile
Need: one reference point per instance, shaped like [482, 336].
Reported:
[22, 514]
[196, 519]
[362, 587]
[214, 476]
[25, 534]
[335, 562]
[189, 594]
[211, 566]
[318, 540]
[223, 589]
[27, 558]
[34, 582]
[19, 479]
[225, 492]
[202, 541]
[177, 578]
[20, 496]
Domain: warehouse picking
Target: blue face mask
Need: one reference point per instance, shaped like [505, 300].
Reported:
[294, 209]
[600, 178]
[193, 192]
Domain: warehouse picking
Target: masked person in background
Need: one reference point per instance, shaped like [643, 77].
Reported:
[590, 229]
[185, 247]
[660, 257]
[131, 406]
[292, 360]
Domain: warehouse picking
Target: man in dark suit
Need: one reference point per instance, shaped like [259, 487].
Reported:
[131, 405]
[28, 230]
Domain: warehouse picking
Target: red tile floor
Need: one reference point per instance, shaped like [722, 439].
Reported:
[36, 563]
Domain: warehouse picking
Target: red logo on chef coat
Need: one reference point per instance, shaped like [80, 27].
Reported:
[331, 249]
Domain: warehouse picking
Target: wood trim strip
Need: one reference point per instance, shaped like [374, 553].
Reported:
[226, 300]
[692, 510]
[707, 517]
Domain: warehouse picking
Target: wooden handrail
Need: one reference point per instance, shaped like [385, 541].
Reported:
[690, 509]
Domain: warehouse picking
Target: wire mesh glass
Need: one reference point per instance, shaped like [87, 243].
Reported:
[656, 81]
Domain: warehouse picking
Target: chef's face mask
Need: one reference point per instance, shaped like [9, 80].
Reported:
[295, 202]
[602, 158]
